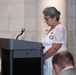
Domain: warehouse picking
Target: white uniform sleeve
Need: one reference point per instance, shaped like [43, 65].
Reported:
[60, 35]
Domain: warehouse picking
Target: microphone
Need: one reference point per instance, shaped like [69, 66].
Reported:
[22, 31]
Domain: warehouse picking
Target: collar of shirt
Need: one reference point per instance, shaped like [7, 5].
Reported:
[67, 68]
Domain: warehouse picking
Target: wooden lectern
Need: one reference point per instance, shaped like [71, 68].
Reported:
[21, 57]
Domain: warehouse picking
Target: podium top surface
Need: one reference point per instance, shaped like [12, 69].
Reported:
[13, 44]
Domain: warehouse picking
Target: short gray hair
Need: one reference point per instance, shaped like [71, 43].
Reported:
[52, 12]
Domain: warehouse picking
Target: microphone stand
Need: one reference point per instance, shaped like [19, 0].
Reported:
[18, 35]
[22, 30]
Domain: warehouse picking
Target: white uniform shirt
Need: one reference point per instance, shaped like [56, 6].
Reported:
[57, 35]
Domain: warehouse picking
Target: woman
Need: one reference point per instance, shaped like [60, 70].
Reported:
[55, 39]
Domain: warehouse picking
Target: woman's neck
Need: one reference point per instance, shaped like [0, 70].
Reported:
[56, 23]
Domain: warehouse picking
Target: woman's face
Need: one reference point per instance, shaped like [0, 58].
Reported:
[49, 20]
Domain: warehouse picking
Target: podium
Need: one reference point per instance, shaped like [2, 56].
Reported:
[21, 57]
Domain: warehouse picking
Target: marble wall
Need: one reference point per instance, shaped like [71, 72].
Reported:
[71, 27]
[11, 18]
